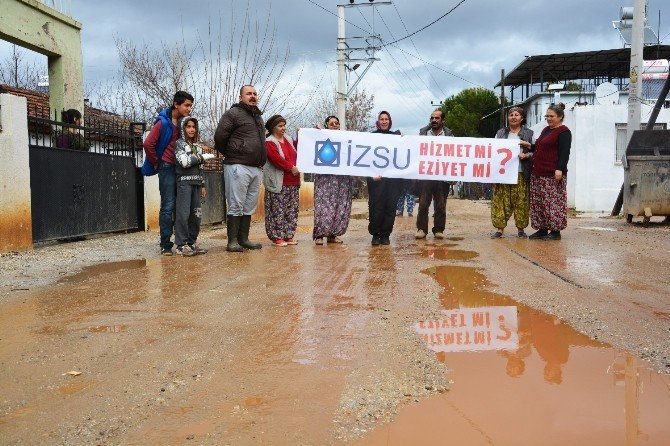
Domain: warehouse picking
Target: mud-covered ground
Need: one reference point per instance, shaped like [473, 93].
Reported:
[305, 344]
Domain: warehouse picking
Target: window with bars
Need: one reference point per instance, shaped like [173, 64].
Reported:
[622, 137]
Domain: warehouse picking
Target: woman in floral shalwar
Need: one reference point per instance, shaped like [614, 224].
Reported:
[332, 201]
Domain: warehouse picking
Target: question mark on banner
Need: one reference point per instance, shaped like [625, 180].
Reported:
[508, 156]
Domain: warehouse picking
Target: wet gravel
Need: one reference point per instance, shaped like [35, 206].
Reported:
[606, 278]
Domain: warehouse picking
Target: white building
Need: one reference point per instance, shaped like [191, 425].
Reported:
[598, 125]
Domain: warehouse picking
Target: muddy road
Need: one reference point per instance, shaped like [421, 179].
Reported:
[319, 345]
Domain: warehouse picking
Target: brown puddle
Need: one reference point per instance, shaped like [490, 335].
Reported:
[535, 380]
[442, 252]
[103, 268]
[108, 328]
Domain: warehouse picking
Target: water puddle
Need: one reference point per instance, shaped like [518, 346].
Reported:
[108, 328]
[89, 272]
[523, 377]
[442, 253]
[75, 387]
[597, 228]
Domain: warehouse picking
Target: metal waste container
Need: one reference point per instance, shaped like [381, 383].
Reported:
[647, 175]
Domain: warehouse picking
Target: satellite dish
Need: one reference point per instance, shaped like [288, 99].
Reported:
[607, 94]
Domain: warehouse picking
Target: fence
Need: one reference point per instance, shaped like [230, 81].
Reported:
[84, 179]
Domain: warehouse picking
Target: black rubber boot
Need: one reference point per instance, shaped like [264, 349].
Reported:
[538, 235]
[243, 238]
[233, 229]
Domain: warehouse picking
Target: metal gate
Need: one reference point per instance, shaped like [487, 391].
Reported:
[84, 179]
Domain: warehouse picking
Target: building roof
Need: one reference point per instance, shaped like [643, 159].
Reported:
[584, 65]
[38, 105]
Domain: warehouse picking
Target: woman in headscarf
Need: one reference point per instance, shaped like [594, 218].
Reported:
[513, 199]
[281, 178]
[383, 194]
[332, 201]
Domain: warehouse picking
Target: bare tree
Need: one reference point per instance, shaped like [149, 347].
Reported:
[17, 71]
[358, 109]
[243, 50]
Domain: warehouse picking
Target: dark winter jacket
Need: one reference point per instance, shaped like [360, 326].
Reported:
[188, 158]
[240, 136]
[525, 134]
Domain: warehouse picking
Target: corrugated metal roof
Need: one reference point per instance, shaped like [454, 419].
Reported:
[584, 65]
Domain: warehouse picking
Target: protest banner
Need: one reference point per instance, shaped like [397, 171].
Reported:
[472, 329]
[483, 160]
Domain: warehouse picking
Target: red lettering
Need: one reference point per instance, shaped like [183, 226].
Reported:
[478, 170]
[422, 166]
[448, 149]
[480, 151]
[463, 168]
[423, 150]
[438, 152]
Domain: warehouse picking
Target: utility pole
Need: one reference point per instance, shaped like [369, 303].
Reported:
[341, 73]
[636, 67]
[343, 56]
[502, 98]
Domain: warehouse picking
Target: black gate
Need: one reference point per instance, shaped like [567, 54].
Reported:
[84, 179]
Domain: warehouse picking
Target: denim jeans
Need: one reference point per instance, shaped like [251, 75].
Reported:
[167, 185]
[188, 214]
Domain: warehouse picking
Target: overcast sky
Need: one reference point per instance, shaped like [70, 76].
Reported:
[473, 43]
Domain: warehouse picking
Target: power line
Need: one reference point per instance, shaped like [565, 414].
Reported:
[417, 50]
[332, 13]
[408, 62]
[439, 68]
[427, 26]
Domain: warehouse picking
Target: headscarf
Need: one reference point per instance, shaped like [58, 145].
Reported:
[384, 112]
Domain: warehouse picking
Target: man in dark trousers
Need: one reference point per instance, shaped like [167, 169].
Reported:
[240, 137]
[430, 189]
[159, 150]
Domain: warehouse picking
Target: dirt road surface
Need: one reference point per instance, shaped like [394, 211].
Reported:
[105, 342]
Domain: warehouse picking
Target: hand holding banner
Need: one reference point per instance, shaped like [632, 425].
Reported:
[444, 158]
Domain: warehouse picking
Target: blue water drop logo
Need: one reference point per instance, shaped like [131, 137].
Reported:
[327, 153]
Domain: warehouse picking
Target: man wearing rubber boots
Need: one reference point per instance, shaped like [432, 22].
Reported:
[240, 137]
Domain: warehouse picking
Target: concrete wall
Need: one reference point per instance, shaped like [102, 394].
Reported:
[16, 218]
[152, 203]
[594, 174]
[306, 200]
[33, 25]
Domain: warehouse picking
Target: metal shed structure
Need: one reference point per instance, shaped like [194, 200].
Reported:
[588, 69]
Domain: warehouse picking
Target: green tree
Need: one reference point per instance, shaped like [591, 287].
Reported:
[464, 111]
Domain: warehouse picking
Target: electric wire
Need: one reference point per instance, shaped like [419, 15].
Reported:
[413, 106]
[332, 13]
[406, 58]
[417, 50]
[429, 25]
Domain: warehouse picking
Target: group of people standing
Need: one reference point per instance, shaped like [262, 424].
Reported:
[540, 194]
[255, 152]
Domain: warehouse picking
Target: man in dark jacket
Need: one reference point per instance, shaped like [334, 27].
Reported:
[430, 190]
[240, 137]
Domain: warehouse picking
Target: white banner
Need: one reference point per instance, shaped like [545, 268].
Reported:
[483, 160]
[472, 329]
